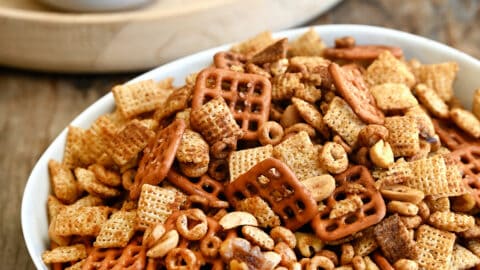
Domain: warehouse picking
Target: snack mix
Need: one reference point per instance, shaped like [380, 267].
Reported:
[280, 155]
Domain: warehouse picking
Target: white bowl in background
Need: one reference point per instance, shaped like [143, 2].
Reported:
[94, 5]
[34, 211]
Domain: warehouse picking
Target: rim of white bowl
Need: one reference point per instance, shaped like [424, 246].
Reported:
[391, 36]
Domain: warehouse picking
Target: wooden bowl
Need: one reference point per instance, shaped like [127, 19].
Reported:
[36, 37]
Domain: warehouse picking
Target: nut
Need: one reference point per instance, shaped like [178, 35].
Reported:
[282, 234]
[287, 254]
[402, 193]
[258, 237]
[405, 264]
[153, 234]
[371, 134]
[402, 208]
[381, 154]
[308, 243]
[168, 242]
[273, 259]
[237, 218]
[320, 187]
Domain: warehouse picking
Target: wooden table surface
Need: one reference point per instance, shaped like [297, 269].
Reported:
[35, 107]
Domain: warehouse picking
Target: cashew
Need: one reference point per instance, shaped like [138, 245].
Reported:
[402, 208]
[308, 242]
[273, 259]
[402, 193]
[168, 242]
[321, 187]
[236, 219]
[405, 264]
[381, 154]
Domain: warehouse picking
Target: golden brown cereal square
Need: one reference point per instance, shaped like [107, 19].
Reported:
[285, 85]
[74, 154]
[439, 77]
[54, 206]
[451, 221]
[388, 69]
[241, 161]
[63, 183]
[341, 118]
[311, 115]
[429, 175]
[298, 153]
[463, 258]
[84, 220]
[393, 96]
[466, 121]
[117, 230]
[366, 244]
[254, 44]
[156, 204]
[215, 122]
[403, 135]
[431, 100]
[88, 182]
[65, 254]
[308, 92]
[88, 200]
[137, 98]
[129, 142]
[394, 240]
[348, 205]
[96, 137]
[435, 248]
[260, 209]
[178, 100]
[308, 44]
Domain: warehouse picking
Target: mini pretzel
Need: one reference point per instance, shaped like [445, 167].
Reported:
[133, 256]
[372, 211]
[158, 157]
[226, 60]
[451, 136]
[181, 258]
[270, 132]
[287, 197]
[203, 186]
[470, 161]
[247, 95]
[353, 89]
[361, 52]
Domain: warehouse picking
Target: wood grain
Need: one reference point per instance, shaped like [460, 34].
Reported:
[35, 107]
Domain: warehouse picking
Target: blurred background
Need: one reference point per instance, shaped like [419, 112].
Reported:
[44, 83]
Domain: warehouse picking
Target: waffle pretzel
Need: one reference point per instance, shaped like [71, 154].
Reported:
[133, 256]
[469, 157]
[225, 60]
[372, 211]
[451, 136]
[204, 186]
[247, 95]
[158, 157]
[274, 182]
[353, 89]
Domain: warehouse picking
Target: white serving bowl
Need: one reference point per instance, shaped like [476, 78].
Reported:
[34, 211]
[94, 5]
